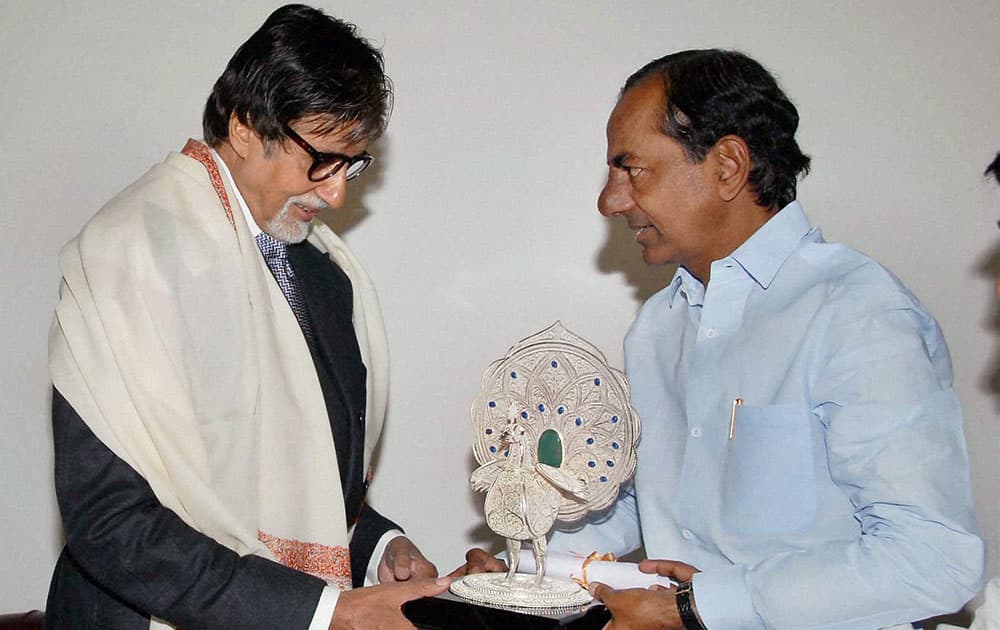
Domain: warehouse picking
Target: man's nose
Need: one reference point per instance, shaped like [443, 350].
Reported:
[333, 189]
[615, 197]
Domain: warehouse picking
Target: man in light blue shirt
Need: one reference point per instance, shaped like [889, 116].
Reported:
[802, 463]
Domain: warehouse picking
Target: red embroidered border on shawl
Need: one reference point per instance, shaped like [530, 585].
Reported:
[200, 151]
[332, 564]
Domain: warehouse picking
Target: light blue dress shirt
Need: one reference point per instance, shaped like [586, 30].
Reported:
[843, 498]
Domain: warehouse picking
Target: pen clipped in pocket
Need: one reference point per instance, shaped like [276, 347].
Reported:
[769, 483]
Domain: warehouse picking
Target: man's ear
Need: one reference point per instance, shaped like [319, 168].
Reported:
[240, 136]
[733, 156]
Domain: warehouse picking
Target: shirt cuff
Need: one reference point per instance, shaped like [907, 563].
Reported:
[723, 599]
[371, 575]
[323, 616]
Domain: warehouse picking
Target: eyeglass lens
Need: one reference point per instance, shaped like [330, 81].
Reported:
[355, 167]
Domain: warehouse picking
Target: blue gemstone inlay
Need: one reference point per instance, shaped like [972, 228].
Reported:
[604, 479]
[590, 440]
[579, 421]
[489, 431]
[592, 463]
[554, 364]
[610, 464]
[541, 407]
[506, 453]
[561, 409]
[493, 449]
[493, 403]
[615, 445]
[597, 381]
[513, 374]
[524, 414]
[614, 419]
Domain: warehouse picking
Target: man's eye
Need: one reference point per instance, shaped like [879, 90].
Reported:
[633, 170]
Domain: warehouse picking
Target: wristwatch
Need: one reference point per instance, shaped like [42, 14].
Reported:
[683, 595]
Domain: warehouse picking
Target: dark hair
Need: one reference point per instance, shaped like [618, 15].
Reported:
[994, 168]
[301, 63]
[713, 93]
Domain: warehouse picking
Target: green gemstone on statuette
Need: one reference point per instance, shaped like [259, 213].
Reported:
[550, 448]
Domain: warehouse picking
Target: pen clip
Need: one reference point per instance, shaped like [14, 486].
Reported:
[732, 418]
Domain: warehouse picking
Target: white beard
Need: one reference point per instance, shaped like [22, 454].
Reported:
[285, 227]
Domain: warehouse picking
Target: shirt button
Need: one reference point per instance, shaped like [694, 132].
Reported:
[711, 332]
[696, 432]
[687, 533]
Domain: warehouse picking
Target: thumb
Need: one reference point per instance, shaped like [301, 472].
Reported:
[424, 587]
[600, 591]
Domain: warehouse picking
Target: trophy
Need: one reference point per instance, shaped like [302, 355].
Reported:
[555, 437]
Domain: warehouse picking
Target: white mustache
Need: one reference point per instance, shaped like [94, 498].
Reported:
[309, 201]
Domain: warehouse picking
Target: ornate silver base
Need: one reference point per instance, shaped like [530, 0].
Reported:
[521, 592]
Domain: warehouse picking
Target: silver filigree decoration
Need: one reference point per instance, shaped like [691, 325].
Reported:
[521, 592]
[555, 437]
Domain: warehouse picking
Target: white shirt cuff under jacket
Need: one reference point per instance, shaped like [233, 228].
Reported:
[328, 598]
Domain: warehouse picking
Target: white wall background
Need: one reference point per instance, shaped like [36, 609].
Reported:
[480, 227]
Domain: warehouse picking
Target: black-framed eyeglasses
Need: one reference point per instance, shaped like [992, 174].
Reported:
[329, 164]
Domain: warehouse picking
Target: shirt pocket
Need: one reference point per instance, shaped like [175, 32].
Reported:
[769, 482]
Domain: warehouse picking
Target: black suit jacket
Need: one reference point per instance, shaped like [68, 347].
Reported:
[128, 557]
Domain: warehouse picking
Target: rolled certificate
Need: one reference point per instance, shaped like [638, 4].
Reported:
[615, 574]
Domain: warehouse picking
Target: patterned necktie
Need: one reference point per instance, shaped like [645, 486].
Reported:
[276, 256]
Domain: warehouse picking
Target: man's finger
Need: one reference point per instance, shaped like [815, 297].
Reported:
[479, 561]
[660, 567]
[678, 571]
[477, 555]
[417, 588]
[460, 571]
[402, 559]
[600, 591]
[423, 568]
[488, 564]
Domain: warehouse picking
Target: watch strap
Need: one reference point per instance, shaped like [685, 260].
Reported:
[684, 597]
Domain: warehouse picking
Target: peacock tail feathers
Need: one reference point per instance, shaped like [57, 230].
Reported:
[576, 413]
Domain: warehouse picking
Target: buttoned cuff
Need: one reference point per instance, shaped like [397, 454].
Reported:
[723, 599]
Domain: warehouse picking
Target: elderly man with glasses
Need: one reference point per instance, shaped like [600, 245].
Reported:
[219, 367]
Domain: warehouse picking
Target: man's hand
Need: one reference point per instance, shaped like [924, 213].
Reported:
[402, 561]
[479, 561]
[646, 609]
[639, 608]
[677, 571]
[379, 607]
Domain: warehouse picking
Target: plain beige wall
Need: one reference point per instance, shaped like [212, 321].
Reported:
[480, 227]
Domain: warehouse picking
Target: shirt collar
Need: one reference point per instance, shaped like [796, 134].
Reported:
[769, 247]
[688, 286]
[247, 216]
[760, 256]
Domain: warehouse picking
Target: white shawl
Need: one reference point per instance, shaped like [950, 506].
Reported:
[175, 345]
